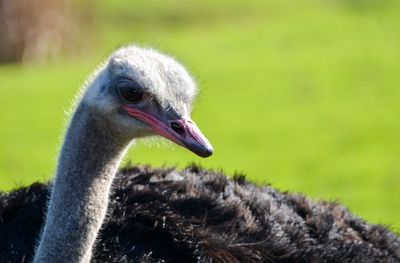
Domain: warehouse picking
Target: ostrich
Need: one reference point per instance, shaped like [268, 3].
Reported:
[165, 215]
[137, 93]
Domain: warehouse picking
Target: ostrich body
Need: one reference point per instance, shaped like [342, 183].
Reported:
[164, 215]
[200, 216]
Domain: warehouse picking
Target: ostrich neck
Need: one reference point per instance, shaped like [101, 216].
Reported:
[87, 164]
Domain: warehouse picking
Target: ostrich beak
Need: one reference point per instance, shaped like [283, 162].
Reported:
[183, 131]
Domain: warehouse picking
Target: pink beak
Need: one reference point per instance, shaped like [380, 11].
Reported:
[181, 131]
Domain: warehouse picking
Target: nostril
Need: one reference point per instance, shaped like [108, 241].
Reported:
[178, 128]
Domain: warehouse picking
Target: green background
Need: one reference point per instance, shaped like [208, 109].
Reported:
[300, 94]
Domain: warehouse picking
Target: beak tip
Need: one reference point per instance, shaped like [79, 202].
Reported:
[207, 152]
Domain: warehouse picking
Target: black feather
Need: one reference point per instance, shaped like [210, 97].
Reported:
[195, 215]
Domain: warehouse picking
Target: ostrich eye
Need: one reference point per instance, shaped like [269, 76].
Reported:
[131, 95]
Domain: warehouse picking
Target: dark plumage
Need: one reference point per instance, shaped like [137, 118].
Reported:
[162, 215]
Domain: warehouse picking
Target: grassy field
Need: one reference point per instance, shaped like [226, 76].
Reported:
[304, 96]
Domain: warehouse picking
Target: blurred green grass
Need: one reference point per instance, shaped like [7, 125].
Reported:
[302, 95]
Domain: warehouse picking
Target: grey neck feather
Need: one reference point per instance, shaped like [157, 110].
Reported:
[87, 164]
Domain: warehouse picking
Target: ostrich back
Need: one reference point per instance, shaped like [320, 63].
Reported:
[194, 215]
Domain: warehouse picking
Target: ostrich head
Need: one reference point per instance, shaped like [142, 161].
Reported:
[139, 92]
